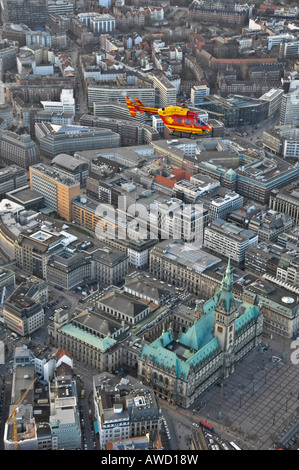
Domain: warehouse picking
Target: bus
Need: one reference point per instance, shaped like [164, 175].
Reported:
[58, 287]
[206, 425]
[235, 446]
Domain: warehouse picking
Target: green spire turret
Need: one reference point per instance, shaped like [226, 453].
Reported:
[226, 297]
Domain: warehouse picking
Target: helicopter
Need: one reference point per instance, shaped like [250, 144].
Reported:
[176, 118]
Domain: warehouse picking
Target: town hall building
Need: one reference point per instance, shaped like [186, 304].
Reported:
[224, 330]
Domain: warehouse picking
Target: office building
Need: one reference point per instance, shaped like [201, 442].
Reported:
[33, 13]
[172, 219]
[64, 413]
[109, 266]
[21, 313]
[72, 167]
[8, 55]
[263, 258]
[33, 250]
[282, 140]
[66, 104]
[102, 24]
[124, 409]
[26, 198]
[61, 7]
[274, 97]
[166, 91]
[68, 269]
[269, 225]
[11, 177]
[228, 240]
[54, 139]
[237, 111]
[130, 132]
[43, 38]
[199, 93]
[279, 307]
[289, 50]
[58, 190]
[254, 177]
[98, 93]
[286, 200]
[289, 108]
[88, 213]
[18, 149]
[183, 265]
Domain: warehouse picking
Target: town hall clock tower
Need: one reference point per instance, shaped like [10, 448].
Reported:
[224, 321]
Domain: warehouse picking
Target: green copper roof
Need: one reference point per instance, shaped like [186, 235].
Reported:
[100, 343]
[200, 333]
[226, 297]
[250, 314]
[196, 345]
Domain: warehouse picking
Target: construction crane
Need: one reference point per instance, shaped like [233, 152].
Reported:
[13, 415]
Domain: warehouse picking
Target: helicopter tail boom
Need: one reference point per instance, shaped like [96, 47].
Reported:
[133, 108]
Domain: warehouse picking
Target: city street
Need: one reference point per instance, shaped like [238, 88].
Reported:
[254, 135]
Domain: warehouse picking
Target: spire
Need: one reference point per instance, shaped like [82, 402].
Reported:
[226, 297]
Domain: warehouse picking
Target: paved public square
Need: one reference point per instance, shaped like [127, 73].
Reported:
[257, 400]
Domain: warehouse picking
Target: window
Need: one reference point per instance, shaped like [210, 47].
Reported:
[220, 329]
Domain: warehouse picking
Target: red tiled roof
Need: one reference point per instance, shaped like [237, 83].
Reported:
[62, 352]
[244, 61]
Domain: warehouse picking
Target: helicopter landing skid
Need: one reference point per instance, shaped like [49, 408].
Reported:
[189, 135]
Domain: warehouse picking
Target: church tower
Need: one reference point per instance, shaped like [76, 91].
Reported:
[224, 320]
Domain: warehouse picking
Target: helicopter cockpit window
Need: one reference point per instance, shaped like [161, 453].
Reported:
[187, 122]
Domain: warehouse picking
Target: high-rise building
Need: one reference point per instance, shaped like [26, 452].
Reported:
[21, 313]
[99, 93]
[61, 7]
[58, 190]
[102, 24]
[289, 107]
[65, 105]
[71, 167]
[11, 177]
[229, 240]
[54, 139]
[32, 251]
[8, 55]
[198, 94]
[167, 90]
[274, 97]
[18, 149]
[33, 13]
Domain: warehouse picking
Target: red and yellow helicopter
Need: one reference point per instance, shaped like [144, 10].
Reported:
[176, 118]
